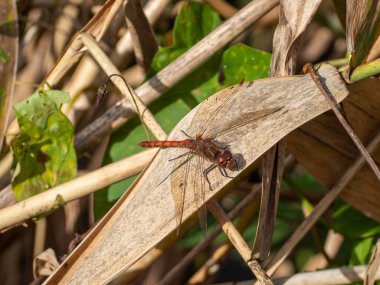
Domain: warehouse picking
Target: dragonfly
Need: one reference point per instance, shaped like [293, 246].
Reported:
[209, 148]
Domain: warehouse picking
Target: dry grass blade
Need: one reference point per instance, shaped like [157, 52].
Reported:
[144, 42]
[146, 213]
[8, 60]
[272, 167]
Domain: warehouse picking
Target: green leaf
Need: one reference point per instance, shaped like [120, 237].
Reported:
[362, 251]
[43, 151]
[352, 224]
[241, 62]
[193, 23]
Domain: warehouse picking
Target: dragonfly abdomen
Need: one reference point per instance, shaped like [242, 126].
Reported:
[165, 144]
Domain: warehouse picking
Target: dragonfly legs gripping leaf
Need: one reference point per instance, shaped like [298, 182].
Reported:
[223, 172]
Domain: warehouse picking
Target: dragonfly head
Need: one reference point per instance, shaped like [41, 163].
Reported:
[226, 160]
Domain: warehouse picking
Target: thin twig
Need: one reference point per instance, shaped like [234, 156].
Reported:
[220, 253]
[186, 260]
[334, 106]
[238, 241]
[102, 92]
[110, 69]
[319, 209]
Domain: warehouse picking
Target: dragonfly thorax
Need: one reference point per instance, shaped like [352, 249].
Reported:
[226, 160]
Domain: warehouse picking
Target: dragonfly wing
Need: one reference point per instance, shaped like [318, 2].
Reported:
[223, 105]
[179, 184]
[245, 120]
[200, 194]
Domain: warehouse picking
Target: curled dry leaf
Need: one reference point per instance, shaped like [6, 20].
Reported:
[294, 18]
[146, 213]
[45, 263]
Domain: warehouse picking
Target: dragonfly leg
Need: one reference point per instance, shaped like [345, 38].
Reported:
[237, 165]
[206, 172]
[224, 173]
[182, 155]
[186, 134]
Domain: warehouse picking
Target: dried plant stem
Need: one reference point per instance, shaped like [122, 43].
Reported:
[75, 188]
[122, 85]
[223, 7]
[6, 163]
[220, 253]
[343, 275]
[319, 209]
[174, 72]
[343, 121]
[39, 236]
[185, 261]
[237, 241]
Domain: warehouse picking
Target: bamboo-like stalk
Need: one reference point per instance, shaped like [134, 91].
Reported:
[238, 241]
[74, 189]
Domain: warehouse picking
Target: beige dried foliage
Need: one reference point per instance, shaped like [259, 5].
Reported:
[323, 147]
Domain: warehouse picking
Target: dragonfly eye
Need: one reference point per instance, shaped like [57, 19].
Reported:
[226, 160]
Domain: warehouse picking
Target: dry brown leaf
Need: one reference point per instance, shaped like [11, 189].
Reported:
[326, 149]
[294, 18]
[45, 263]
[144, 42]
[146, 214]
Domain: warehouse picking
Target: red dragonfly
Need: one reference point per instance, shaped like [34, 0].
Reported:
[205, 146]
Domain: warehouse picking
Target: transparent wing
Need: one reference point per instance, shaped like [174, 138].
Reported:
[241, 122]
[179, 184]
[200, 194]
[222, 109]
